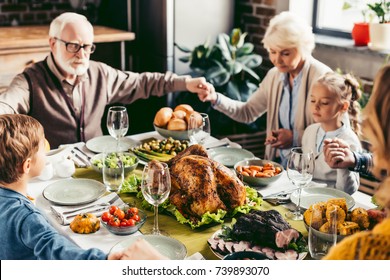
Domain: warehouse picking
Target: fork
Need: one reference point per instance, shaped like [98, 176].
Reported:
[115, 198]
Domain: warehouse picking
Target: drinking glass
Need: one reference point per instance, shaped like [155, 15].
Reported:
[113, 171]
[155, 187]
[300, 169]
[199, 128]
[117, 123]
[320, 242]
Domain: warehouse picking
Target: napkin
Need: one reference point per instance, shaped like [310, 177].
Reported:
[64, 217]
[81, 156]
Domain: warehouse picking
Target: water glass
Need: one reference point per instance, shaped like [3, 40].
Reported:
[113, 171]
[199, 129]
[320, 242]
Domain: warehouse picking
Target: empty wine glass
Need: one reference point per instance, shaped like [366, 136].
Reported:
[155, 187]
[300, 169]
[199, 128]
[117, 123]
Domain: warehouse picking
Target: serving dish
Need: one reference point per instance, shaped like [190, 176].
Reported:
[229, 156]
[312, 195]
[167, 246]
[97, 164]
[258, 181]
[74, 191]
[175, 134]
[216, 236]
[126, 230]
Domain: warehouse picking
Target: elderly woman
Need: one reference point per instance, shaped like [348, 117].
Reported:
[374, 244]
[283, 93]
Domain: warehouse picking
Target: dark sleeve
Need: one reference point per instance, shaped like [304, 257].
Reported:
[363, 163]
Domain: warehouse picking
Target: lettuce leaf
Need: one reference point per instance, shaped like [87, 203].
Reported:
[253, 202]
[131, 184]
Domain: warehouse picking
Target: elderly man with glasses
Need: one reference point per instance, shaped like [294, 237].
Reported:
[67, 92]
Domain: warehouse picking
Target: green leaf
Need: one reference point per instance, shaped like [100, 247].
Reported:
[232, 91]
[251, 61]
[217, 76]
[251, 73]
[242, 40]
[246, 49]
[185, 59]
[235, 36]
[223, 43]
[182, 48]
[235, 67]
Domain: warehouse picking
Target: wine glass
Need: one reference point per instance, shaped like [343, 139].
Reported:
[113, 171]
[199, 128]
[155, 187]
[300, 169]
[117, 123]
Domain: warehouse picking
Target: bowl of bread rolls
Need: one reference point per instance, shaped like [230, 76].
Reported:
[173, 123]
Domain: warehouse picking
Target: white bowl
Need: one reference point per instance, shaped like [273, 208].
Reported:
[258, 181]
[175, 134]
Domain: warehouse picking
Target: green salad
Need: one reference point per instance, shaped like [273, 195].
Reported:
[113, 161]
[253, 201]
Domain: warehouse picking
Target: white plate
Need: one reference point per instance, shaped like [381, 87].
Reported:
[311, 195]
[216, 234]
[107, 143]
[229, 156]
[74, 191]
[167, 246]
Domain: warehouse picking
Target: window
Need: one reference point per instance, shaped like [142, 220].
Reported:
[330, 18]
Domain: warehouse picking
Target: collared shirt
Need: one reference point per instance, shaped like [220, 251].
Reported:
[74, 92]
[288, 108]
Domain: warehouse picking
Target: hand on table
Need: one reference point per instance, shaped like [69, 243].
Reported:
[139, 250]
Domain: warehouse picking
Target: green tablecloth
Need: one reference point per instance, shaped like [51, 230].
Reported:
[195, 240]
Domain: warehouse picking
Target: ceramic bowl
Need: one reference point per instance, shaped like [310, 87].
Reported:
[128, 229]
[97, 164]
[177, 135]
[258, 181]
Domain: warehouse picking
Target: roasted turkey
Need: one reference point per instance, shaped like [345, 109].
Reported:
[200, 184]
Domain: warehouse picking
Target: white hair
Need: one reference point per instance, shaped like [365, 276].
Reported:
[287, 30]
[58, 24]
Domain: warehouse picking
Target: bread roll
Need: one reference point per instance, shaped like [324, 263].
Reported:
[177, 124]
[163, 116]
[198, 118]
[184, 107]
[180, 114]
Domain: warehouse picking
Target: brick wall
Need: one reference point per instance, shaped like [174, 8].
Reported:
[30, 12]
[253, 16]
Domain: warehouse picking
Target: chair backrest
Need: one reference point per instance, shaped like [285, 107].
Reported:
[253, 142]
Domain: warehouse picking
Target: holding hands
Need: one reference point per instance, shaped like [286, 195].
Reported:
[281, 138]
[338, 153]
[201, 87]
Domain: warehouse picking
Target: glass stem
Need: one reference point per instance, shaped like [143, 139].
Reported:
[117, 144]
[155, 226]
[299, 200]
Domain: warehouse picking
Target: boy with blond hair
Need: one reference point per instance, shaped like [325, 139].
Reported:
[25, 232]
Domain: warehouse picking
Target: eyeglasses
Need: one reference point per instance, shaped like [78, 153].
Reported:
[74, 48]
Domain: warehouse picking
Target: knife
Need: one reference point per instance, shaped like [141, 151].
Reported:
[282, 193]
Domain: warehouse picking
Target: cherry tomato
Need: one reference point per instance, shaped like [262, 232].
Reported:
[132, 210]
[114, 222]
[119, 213]
[124, 223]
[136, 218]
[113, 208]
[106, 216]
[130, 222]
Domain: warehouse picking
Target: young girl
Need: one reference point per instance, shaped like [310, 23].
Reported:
[331, 97]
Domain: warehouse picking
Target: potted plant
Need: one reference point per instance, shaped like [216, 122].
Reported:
[380, 30]
[228, 64]
[360, 31]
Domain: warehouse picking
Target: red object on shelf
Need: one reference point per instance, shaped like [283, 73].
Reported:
[361, 33]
